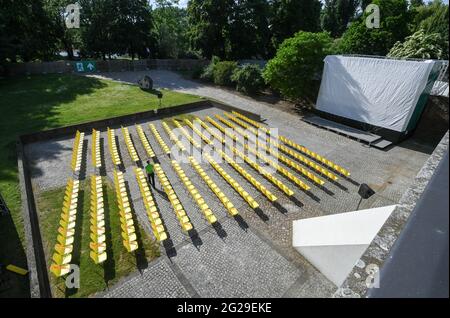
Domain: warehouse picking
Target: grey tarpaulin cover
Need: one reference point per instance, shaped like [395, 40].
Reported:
[377, 91]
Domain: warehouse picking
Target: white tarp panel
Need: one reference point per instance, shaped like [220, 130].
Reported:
[380, 92]
[334, 243]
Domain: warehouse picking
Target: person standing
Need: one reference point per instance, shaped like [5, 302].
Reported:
[150, 173]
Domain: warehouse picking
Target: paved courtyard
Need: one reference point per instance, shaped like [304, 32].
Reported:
[251, 255]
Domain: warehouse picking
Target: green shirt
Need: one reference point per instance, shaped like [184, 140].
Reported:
[149, 168]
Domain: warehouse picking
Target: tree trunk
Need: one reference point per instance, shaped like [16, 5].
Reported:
[69, 49]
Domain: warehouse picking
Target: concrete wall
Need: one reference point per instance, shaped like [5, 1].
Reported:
[104, 66]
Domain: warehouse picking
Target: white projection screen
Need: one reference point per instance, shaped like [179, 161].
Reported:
[377, 91]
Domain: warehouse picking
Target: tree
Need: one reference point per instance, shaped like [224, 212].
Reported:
[421, 45]
[432, 18]
[416, 3]
[116, 27]
[336, 15]
[67, 38]
[208, 20]
[291, 16]
[248, 30]
[359, 39]
[297, 63]
[25, 31]
[170, 25]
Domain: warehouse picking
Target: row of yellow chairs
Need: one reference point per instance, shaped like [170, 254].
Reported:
[112, 145]
[244, 124]
[213, 186]
[261, 156]
[150, 206]
[182, 217]
[96, 154]
[131, 150]
[292, 153]
[316, 156]
[227, 132]
[225, 201]
[236, 186]
[129, 238]
[284, 149]
[269, 195]
[250, 162]
[97, 227]
[63, 249]
[77, 152]
[173, 137]
[145, 142]
[158, 137]
[209, 215]
[300, 148]
[253, 122]
[282, 158]
[214, 133]
[233, 182]
[187, 135]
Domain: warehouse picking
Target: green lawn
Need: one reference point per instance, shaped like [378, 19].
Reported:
[34, 103]
[93, 278]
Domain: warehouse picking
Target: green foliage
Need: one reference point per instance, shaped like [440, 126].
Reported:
[421, 45]
[222, 73]
[25, 32]
[248, 79]
[297, 63]
[291, 16]
[65, 38]
[208, 72]
[208, 22]
[170, 25]
[116, 27]
[358, 39]
[431, 18]
[248, 31]
[336, 15]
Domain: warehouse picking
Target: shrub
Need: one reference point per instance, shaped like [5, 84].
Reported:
[222, 73]
[248, 79]
[208, 71]
[197, 72]
[298, 62]
[420, 45]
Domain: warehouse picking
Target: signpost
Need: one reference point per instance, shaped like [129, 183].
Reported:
[85, 66]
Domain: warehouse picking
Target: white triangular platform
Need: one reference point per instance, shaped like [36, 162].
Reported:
[334, 243]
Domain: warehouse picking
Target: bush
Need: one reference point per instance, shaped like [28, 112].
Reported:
[298, 62]
[197, 72]
[248, 79]
[420, 45]
[222, 73]
[208, 71]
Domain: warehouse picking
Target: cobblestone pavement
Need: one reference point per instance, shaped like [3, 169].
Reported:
[247, 256]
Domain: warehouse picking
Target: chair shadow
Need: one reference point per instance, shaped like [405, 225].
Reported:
[264, 217]
[109, 266]
[219, 230]
[241, 222]
[195, 238]
[141, 259]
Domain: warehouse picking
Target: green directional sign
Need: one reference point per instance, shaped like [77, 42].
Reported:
[85, 66]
